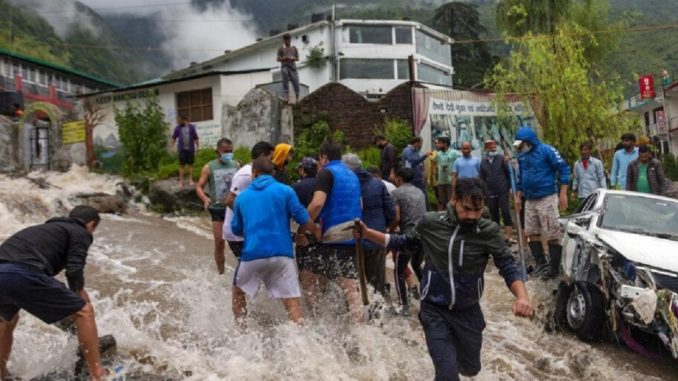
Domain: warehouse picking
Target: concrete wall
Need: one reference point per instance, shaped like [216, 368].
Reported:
[259, 116]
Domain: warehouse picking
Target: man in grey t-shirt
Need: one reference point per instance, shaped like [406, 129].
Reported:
[410, 208]
[288, 56]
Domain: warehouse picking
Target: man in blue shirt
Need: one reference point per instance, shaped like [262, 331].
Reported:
[622, 158]
[467, 166]
[413, 158]
[262, 214]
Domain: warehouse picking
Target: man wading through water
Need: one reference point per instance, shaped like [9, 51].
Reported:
[457, 244]
[217, 175]
[29, 261]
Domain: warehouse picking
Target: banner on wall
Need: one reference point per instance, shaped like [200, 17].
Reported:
[472, 118]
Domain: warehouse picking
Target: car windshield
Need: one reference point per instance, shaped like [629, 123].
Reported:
[642, 215]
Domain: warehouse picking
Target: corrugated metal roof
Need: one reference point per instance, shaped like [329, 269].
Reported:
[50, 65]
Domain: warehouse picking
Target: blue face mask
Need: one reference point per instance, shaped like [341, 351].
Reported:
[226, 157]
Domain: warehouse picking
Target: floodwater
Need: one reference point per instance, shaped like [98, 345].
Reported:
[154, 286]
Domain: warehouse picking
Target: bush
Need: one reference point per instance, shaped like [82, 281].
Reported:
[371, 157]
[398, 132]
[242, 155]
[169, 166]
[670, 164]
[142, 131]
[309, 141]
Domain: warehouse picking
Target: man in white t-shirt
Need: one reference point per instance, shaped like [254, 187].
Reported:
[241, 180]
[390, 187]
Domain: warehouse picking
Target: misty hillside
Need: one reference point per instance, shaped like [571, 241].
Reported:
[84, 41]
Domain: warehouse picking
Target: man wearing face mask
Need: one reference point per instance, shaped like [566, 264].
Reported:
[495, 173]
[217, 175]
[457, 245]
[541, 169]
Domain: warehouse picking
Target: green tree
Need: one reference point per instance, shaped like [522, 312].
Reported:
[471, 60]
[519, 17]
[571, 100]
[143, 133]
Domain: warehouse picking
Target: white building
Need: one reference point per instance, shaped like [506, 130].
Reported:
[368, 56]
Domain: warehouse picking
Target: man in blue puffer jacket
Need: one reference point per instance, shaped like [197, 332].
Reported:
[261, 215]
[541, 169]
[378, 213]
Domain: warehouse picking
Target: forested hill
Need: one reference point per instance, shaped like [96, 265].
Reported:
[96, 53]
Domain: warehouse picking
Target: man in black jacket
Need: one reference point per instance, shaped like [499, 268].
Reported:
[457, 244]
[29, 261]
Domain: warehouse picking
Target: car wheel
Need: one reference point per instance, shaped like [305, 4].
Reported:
[585, 313]
[560, 313]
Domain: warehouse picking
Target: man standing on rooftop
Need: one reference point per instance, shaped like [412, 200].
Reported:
[288, 56]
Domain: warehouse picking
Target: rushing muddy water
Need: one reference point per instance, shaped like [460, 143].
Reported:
[155, 288]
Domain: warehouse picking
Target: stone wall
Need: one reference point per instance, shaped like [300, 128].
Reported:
[261, 115]
[351, 113]
[9, 142]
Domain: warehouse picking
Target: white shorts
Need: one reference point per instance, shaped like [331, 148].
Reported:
[279, 275]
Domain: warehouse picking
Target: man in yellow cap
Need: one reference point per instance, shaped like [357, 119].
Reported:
[281, 156]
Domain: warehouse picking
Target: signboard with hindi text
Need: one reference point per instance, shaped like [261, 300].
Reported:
[73, 132]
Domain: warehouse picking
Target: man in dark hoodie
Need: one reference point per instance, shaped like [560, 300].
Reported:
[541, 169]
[378, 214]
[29, 261]
[457, 244]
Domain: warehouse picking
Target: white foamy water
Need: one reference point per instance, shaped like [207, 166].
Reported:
[154, 286]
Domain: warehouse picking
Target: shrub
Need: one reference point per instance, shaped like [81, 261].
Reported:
[371, 157]
[242, 155]
[142, 131]
[670, 164]
[398, 132]
[308, 142]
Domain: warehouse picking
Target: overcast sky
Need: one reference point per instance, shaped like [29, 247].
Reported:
[190, 35]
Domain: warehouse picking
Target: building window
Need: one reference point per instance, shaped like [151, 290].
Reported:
[403, 35]
[433, 48]
[403, 69]
[196, 105]
[370, 35]
[366, 69]
[427, 73]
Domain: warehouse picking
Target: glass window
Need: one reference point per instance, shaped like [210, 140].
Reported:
[433, 48]
[196, 104]
[403, 69]
[427, 73]
[370, 35]
[366, 69]
[403, 35]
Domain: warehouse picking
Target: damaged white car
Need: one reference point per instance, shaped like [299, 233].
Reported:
[620, 266]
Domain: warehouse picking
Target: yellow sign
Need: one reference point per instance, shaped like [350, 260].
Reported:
[73, 132]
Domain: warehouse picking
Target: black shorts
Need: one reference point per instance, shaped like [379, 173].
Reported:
[236, 247]
[218, 215]
[186, 157]
[38, 294]
[330, 261]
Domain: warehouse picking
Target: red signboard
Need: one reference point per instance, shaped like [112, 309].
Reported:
[646, 87]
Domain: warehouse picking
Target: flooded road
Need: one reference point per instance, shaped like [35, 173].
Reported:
[155, 288]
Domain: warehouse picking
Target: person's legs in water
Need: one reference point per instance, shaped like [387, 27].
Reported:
[239, 305]
[402, 260]
[375, 269]
[6, 339]
[352, 295]
[89, 341]
[293, 308]
[219, 242]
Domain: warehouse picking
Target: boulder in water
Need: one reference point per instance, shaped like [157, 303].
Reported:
[167, 197]
[102, 202]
